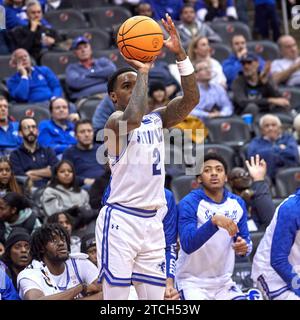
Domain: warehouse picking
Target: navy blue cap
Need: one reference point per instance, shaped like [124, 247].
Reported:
[250, 56]
[78, 41]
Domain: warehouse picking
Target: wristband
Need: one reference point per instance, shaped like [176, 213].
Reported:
[185, 67]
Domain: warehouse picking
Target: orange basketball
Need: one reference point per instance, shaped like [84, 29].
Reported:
[140, 38]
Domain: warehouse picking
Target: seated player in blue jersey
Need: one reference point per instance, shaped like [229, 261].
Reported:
[275, 268]
[129, 231]
[212, 225]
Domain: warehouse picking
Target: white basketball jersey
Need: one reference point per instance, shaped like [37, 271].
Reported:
[138, 173]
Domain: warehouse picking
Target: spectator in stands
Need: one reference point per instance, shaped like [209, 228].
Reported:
[67, 278]
[31, 83]
[189, 27]
[145, 9]
[9, 139]
[83, 154]
[58, 132]
[232, 65]
[266, 15]
[63, 193]
[102, 113]
[157, 95]
[160, 8]
[5, 43]
[51, 5]
[199, 49]
[87, 77]
[212, 225]
[66, 221]
[214, 101]
[255, 91]
[160, 72]
[211, 10]
[8, 182]
[30, 159]
[254, 189]
[7, 289]
[15, 211]
[88, 246]
[38, 35]
[286, 71]
[278, 149]
[15, 13]
[17, 253]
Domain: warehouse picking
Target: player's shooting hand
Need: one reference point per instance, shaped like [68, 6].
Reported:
[138, 65]
[240, 246]
[173, 43]
[225, 223]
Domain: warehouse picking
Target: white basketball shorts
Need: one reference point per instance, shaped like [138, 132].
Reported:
[130, 246]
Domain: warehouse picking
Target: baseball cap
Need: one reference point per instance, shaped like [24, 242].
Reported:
[87, 241]
[17, 234]
[250, 56]
[79, 40]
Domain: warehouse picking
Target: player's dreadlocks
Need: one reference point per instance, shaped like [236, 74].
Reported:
[43, 235]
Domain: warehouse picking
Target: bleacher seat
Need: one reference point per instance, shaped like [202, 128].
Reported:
[88, 107]
[114, 55]
[58, 61]
[232, 131]
[220, 51]
[66, 19]
[287, 181]
[293, 94]
[226, 30]
[83, 4]
[5, 69]
[225, 151]
[20, 110]
[107, 18]
[182, 185]
[265, 48]
[99, 39]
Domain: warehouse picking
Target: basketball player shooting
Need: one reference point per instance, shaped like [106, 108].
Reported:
[129, 233]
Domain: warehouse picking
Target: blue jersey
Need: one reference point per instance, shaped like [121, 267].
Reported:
[206, 257]
[7, 289]
[277, 258]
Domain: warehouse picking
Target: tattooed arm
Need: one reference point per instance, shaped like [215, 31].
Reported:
[120, 123]
[180, 107]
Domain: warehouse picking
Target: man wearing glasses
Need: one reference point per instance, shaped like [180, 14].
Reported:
[30, 159]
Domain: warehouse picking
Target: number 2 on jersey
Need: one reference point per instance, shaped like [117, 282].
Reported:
[156, 156]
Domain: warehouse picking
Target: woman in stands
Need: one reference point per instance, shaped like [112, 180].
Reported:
[15, 211]
[63, 193]
[8, 182]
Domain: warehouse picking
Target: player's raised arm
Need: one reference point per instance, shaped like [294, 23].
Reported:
[178, 108]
